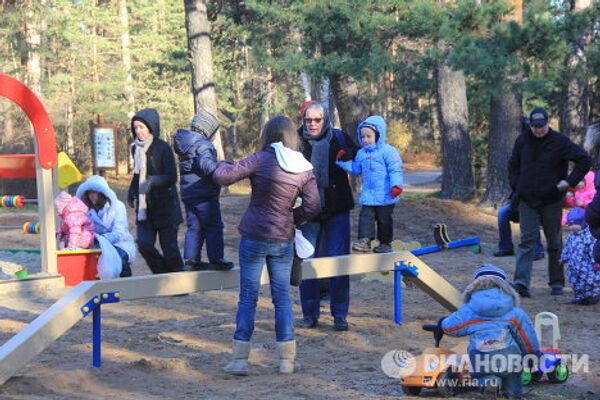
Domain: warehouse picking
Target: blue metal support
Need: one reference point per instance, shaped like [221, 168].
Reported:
[97, 337]
[94, 306]
[468, 242]
[401, 268]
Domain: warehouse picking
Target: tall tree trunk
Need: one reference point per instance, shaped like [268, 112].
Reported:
[305, 85]
[504, 126]
[126, 56]
[32, 29]
[265, 84]
[349, 105]
[574, 108]
[95, 62]
[200, 53]
[457, 174]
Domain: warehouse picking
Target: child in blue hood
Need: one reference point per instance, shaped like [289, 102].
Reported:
[381, 168]
[497, 327]
[200, 195]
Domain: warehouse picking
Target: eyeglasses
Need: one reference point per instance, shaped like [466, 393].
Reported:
[311, 120]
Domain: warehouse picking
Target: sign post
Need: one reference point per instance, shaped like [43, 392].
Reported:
[104, 155]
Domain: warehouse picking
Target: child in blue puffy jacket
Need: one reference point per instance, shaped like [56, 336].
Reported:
[200, 195]
[497, 327]
[381, 168]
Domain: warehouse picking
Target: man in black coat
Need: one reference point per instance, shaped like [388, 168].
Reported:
[538, 172]
[153, 194]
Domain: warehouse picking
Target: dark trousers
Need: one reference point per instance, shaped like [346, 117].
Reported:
[549, 217]
[330, 237]
[204, 223]
[505, 244]
[170, 259]
[383, 216]
[125, 265]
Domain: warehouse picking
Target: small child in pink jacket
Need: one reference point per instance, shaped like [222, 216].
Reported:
[580, 197]
[76, 230]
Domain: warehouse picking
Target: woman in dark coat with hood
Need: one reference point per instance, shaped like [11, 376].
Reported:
[153, 194]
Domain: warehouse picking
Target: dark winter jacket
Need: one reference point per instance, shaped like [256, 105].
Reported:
[537, 165]
[163, 202]
[197, 161]
[338, 196]
[271, 214]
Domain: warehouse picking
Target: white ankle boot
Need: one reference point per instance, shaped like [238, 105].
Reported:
[287, 355]
[240, 351]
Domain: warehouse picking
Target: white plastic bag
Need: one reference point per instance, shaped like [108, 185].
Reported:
[304, 248]
[109, 263]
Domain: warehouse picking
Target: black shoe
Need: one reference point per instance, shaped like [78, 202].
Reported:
[590, 301]
[196, 265]
[340, 324]
[556, 291]
[308, 323]
[220, 265]
[383, 248]
[538, 256]
[522, 290]
[503, 253]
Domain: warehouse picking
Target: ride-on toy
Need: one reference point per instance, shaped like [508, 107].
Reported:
[435, 368]
[551, 362]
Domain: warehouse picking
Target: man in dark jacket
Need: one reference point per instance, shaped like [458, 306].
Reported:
[153, 194]
[538, 172]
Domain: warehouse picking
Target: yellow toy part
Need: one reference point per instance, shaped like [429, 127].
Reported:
[67, 171]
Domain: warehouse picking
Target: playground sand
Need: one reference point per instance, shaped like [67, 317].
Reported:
[175, 347]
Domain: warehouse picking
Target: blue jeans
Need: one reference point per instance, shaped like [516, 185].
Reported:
[278, 256]
[331, 237]
[203, 219]
[511, 381]
[506, 244]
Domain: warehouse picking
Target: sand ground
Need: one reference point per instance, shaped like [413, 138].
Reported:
[175, 347]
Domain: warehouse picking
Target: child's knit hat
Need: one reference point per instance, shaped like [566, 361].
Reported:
[204, 122]
[61, 201]
[489, 270]
[576, 217]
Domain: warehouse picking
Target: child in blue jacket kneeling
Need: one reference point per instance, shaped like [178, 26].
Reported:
[497, 327]
[382, 182]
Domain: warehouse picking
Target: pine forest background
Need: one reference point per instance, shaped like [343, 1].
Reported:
[451, 77]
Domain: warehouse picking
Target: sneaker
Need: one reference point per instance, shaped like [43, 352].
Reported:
[504, 253]
[383, 248]
[363, 245]
[538, 256]
[340, 324]
[557, 291]
[220, 265]
[192, 265]
[308, 323]
[522, 290]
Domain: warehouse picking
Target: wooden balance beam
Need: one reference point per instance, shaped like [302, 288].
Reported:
[66, 312]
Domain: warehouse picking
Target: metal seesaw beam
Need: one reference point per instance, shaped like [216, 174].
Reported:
[66, 312]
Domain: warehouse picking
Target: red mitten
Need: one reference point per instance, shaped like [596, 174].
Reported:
[340, 154]
[396, 191]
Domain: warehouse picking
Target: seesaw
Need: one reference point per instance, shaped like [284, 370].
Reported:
[88, 297]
